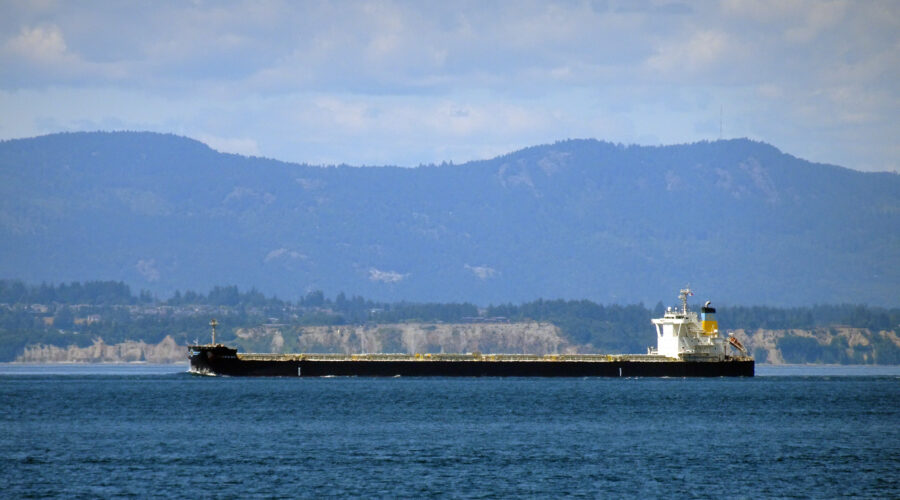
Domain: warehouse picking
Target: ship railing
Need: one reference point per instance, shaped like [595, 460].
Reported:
[451, 357]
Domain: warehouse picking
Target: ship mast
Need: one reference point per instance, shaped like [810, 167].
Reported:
[213, 323]
[683, 295]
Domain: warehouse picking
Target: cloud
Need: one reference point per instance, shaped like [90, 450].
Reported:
[702, 51]
[386, 276]
[380, 82]
[41, 44]
[37, 54]
[818, 17]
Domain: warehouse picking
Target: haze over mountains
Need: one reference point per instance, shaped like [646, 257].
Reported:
[739, 220]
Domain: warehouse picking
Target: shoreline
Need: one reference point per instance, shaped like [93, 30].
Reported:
[91, 363]
[15, 368]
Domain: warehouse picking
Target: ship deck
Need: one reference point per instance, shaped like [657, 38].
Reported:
[474, 357]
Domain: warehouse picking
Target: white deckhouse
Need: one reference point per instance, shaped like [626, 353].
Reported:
[682, 335]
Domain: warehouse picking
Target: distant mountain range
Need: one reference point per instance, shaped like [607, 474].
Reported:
[739, 220]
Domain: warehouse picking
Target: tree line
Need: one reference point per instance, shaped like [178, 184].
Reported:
[583, 315]
[608, 328]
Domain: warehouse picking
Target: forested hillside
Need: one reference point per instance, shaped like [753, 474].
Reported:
[739, 220]
[77, 315]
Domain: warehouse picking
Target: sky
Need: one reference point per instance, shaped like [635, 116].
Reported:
[419, 82]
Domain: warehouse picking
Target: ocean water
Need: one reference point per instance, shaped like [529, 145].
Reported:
[156, 431]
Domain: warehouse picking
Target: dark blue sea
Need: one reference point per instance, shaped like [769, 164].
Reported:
[99, 432]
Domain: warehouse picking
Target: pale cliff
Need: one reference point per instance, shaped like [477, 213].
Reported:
[531, 337]
[167, 351]
[820, 345]
[836, 344]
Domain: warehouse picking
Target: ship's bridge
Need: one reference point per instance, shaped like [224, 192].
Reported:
[681, 334]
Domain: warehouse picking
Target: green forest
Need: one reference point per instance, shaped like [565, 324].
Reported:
[77, 313]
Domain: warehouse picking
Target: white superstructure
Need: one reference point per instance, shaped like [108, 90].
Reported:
[681, 334]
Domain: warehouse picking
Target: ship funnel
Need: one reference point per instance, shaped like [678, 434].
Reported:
[708, 319]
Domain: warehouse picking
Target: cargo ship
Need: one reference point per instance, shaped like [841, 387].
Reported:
[688, 345]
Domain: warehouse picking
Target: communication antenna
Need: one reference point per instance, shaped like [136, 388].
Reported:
[721, 112]
[213, 323]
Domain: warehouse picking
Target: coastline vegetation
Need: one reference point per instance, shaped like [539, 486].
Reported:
[78, 313]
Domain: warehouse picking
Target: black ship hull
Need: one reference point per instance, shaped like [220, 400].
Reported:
[220, 360]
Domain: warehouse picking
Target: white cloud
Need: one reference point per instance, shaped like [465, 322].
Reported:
[385, 82]
[348, 114]
[38, 54]
[41, 43]
[702, 51]
[770, 91]
[817, 17]
[767, 11]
